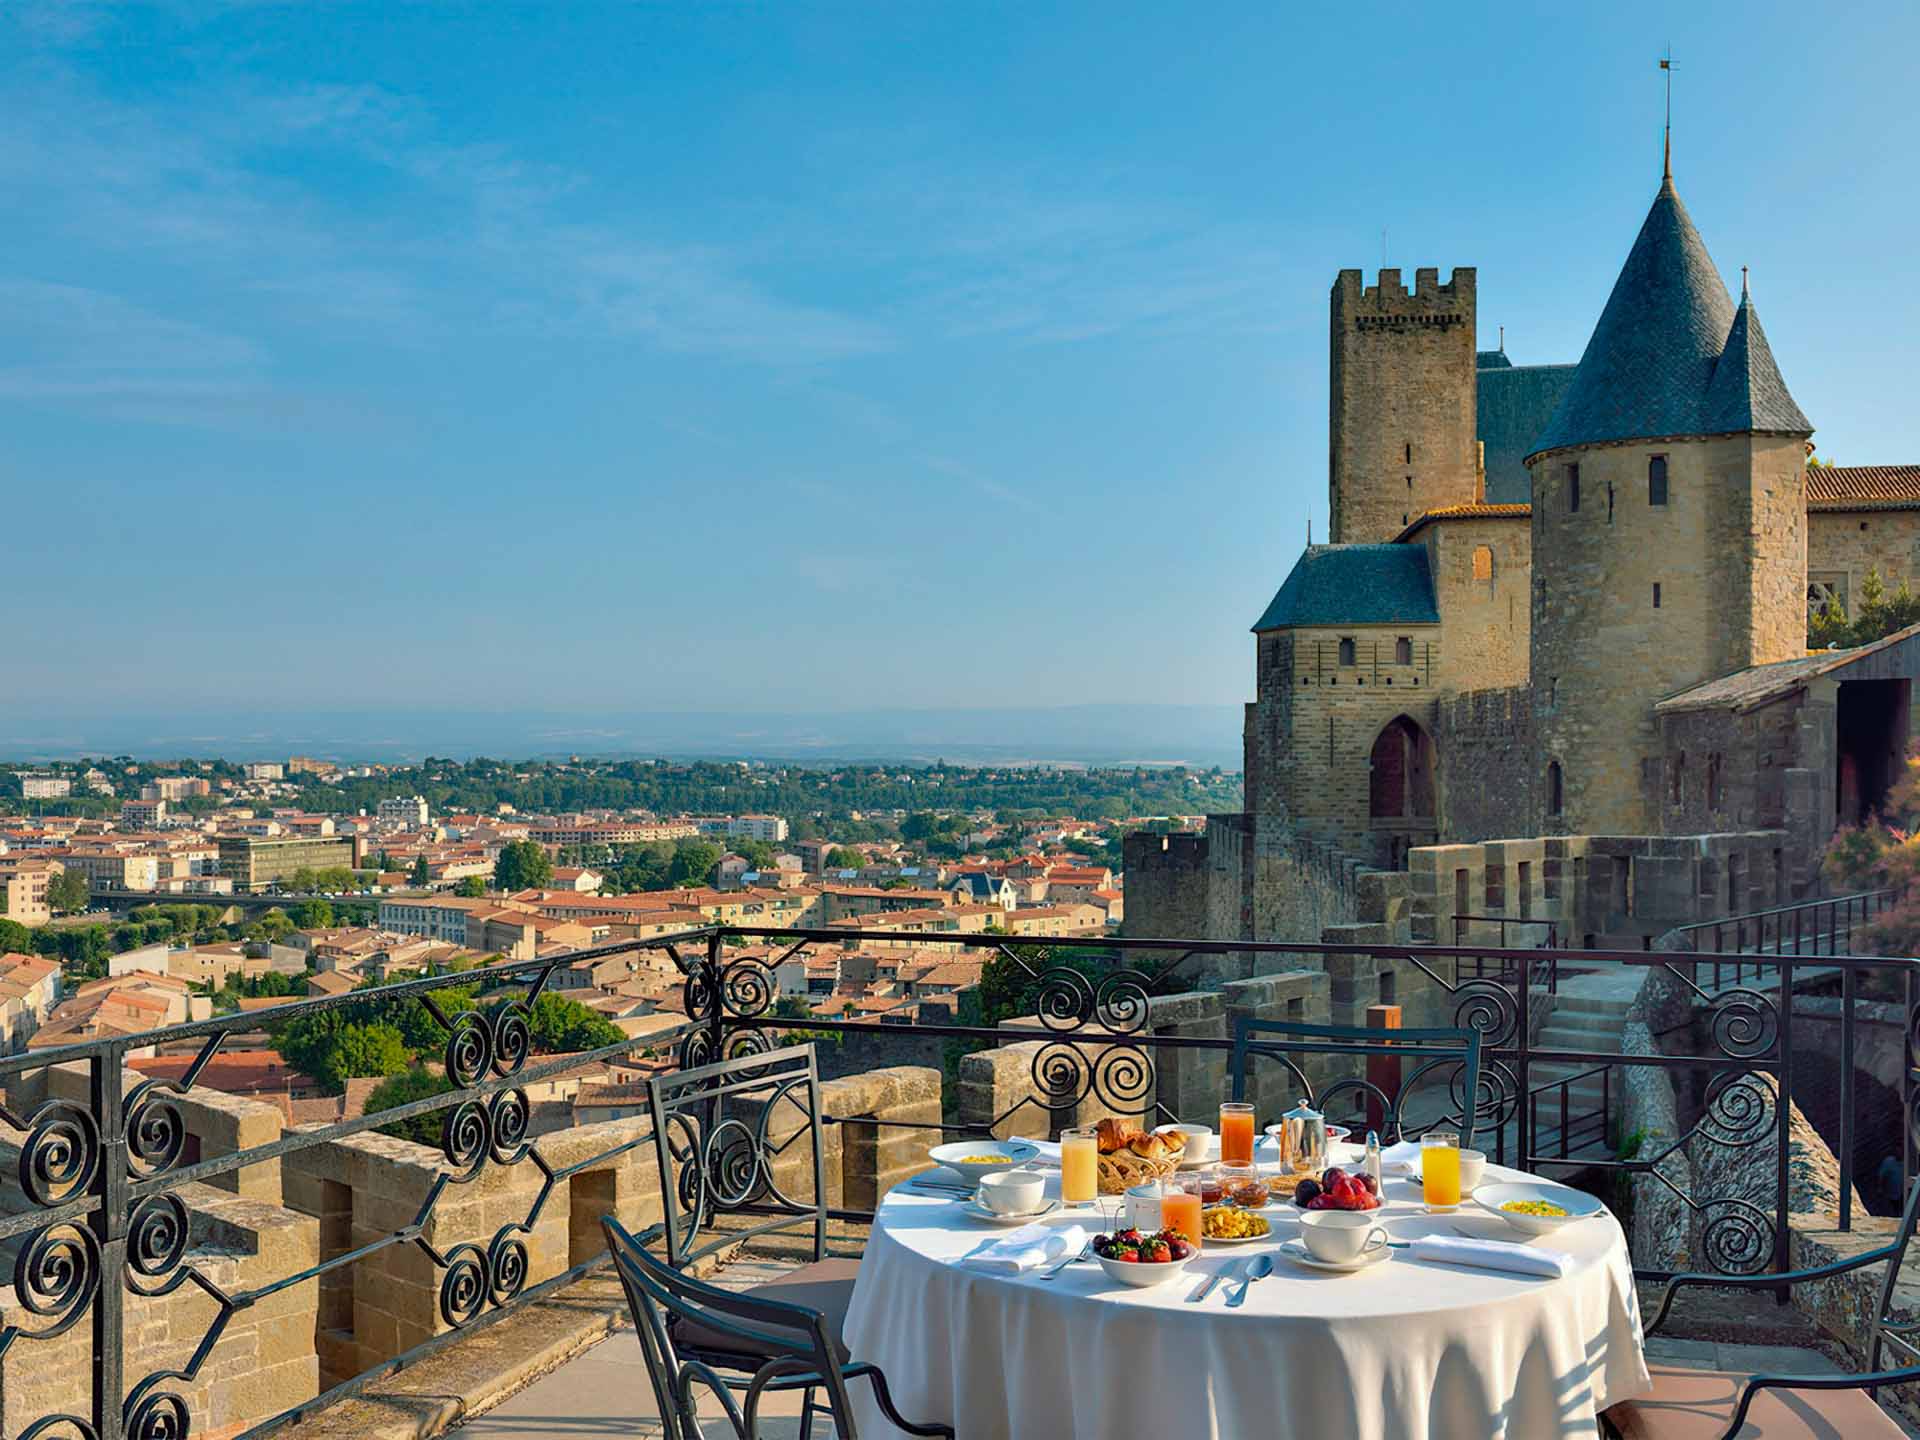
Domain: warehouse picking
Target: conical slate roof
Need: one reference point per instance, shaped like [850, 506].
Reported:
[1747, 392]
[1646, 370]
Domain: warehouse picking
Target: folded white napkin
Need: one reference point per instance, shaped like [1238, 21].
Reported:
[1492, 1255]
[1027, 1248]
[1401, 1159]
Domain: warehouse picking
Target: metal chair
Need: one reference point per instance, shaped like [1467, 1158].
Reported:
[738, 1142]
[795, 1346]
[1449, 1055]
[1715, 1405]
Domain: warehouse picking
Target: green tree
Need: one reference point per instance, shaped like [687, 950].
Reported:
[15, 938]
[418, 875]
[313, 915]
[693, 861]
[471, 887]
[757, 853]
[563, 1025]
[523, 865]
[841, 858]
[792, 1007]
[362, 1049]
[303, 879]
[415, 1084]
[68, 892]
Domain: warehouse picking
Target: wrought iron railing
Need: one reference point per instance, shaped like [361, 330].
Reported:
[1825, 926]
[102, 1221]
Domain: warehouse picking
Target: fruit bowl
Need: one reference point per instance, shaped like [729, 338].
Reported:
[1337, 1189]
[1140, 1274]
[1578, 1204]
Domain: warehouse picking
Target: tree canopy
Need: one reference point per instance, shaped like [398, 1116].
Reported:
[523, 865]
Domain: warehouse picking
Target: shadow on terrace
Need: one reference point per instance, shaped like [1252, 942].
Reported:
[185, 1260]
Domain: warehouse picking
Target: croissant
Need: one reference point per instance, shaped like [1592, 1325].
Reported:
[1149, 1147]
[1113, 1134]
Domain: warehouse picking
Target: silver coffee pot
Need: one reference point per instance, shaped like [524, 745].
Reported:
[1303, 1140]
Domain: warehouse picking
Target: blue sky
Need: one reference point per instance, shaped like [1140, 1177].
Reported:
[798, 357]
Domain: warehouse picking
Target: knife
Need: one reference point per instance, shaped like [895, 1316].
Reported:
[1259, 1268]
[1206, 1286]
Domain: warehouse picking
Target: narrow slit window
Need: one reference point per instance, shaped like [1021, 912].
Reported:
[1573, 487]
[1403, 651]
[1555, 799]
[1656, 594]
[1657, 480]
[1346, 651]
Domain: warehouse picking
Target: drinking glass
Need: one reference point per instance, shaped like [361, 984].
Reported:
[1180, 1206]
[1440, 1171]
[1236, 1133]
[1079, 1166]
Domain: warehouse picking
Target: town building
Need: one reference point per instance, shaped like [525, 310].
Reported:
[34, 786]
[410, 812]
[254, 863]
[24, 879]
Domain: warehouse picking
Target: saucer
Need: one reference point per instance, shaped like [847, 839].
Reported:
[994, 1217]
[1296, 1251]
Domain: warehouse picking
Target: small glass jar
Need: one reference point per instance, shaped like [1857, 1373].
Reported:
[1244, 1186]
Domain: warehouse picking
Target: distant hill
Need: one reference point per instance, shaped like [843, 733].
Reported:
[1196, 735]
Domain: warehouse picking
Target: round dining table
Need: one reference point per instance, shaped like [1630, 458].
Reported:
[1403, 1349]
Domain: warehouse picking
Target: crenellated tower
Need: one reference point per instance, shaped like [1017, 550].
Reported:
[1401, 424]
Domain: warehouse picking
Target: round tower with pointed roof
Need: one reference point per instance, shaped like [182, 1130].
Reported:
[1669, 527]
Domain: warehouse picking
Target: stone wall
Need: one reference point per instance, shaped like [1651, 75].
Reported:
[1166, 885]
[264, 1361]
[1842, 545]
[1483, 580]
[1490, 785]
[1727, 551]
[1402, 390]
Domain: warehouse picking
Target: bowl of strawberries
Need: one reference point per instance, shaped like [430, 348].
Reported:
[1338, 1189]
[1141, 1258]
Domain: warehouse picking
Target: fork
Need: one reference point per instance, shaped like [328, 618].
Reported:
[1086, 1252]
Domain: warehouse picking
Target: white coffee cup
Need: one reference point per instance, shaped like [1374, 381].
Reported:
[1143, 1207]
[1201, 1145]
[1012, 1192]
[1473, 1168]
[1340, 1236]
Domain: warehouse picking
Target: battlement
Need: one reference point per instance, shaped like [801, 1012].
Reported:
[1390, 297]
[1485, 714]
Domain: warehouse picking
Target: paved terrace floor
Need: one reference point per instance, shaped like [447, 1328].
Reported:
[605, 1391]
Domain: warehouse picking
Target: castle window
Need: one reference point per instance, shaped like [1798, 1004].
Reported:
[1573, 487]
[1403, 651]
[1483, 562]
[1409, 454]
[1713, 782]
[1555, 798]
[1553, 692]
[1657, 480]
[1677, 778]
[1346, 650]
[1656, 594]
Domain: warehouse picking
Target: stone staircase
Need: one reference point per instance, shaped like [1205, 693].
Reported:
[1589, 1014]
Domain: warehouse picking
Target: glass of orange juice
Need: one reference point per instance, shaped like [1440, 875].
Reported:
[1440, 1170]
[1180, 1206]
[1079, 1166]
[1236, 1133]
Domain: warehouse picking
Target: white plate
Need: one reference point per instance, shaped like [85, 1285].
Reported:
[1577, 1203]
[993, 1217]
[1296, 1251]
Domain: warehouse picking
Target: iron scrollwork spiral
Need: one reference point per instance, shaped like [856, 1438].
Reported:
[1123, 1079]
[1061, 1075]
[157, 1236]
[699, 995]
[508, 1118]
[161, 1415]
[734, 1163]
[507, 1265]
[1488, 1008]
[49, 1427]
[469, 1049]
[1121, 1001]
[1066, 999]
[1739, 1110]
[156, 1133]
[749, 989]
[61, 1155]
[1737, 1238]
[512, 1039]
[57, 1275]
[463, 1289]
[1745, 1024]
[464, 1137]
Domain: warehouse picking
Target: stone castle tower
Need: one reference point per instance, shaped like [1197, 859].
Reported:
[1669, 528]
[1401, 422]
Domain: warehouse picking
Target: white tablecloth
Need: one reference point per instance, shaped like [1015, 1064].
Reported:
[1398, 1351]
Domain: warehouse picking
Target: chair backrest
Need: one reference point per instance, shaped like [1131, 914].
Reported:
[740, 1139]
[1888, 1332]
[662, 1298]
[1439, 1083]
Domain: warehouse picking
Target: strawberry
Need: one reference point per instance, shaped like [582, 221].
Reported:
[1160, 1254]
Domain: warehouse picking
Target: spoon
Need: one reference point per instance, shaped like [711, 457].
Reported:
[1258, 1269]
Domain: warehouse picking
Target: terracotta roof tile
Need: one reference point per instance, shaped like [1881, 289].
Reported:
[1863, 487]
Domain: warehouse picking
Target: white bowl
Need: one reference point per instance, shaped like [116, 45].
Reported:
[1013, 1153]
[1012, 1192]
[1577, 1203]
[1132, 1272]
[1203, 1146]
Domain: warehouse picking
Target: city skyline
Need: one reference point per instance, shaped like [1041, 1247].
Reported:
[918, 361]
